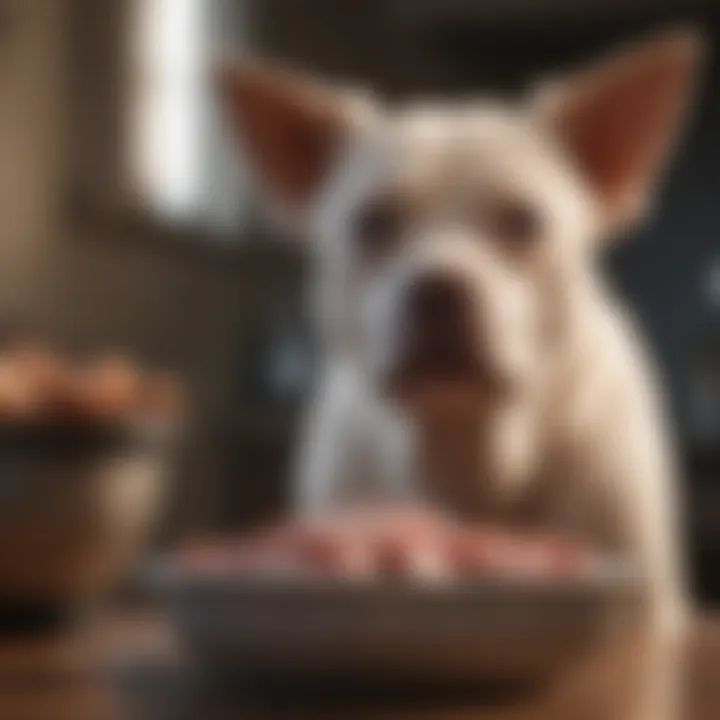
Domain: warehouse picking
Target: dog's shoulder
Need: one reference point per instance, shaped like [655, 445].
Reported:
[607, 369]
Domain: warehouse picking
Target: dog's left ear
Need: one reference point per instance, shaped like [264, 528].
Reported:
[619, 120]
[290, 128]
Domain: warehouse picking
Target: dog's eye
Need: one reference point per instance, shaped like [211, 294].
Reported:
[516, 222]
[377, 227]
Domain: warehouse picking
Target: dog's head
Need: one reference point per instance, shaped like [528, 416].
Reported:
[450, 237]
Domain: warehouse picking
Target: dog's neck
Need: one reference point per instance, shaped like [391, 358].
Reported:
[480, 462]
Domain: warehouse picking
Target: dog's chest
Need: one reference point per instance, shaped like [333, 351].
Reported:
[486, 472]
[509, 473]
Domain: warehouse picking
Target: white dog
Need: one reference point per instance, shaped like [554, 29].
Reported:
[474, 357]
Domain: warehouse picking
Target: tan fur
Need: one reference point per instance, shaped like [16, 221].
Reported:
[578, 442]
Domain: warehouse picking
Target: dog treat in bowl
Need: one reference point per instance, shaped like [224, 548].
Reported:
[110, 387]
[38, 384]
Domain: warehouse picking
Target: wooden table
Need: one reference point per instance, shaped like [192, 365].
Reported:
[129, 667]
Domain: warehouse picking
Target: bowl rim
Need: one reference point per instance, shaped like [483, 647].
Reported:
[608, 580]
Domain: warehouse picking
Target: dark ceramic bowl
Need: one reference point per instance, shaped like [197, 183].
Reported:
[77, 501]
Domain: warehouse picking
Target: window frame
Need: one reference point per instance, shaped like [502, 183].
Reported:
[97, 203]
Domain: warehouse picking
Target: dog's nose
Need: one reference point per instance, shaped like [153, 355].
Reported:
[435, 300]
[438, 319]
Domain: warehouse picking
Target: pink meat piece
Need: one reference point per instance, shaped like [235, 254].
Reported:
[390, 543]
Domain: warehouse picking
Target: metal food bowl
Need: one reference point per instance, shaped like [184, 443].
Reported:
[498, 631]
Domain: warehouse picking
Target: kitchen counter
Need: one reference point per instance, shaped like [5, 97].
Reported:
[130, 667]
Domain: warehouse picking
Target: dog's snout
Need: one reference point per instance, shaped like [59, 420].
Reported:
[437, 331]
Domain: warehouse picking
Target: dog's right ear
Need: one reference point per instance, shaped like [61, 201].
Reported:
[290, 128]
[619, 120]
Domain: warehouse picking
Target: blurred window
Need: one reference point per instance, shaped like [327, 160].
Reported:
[181, 168]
